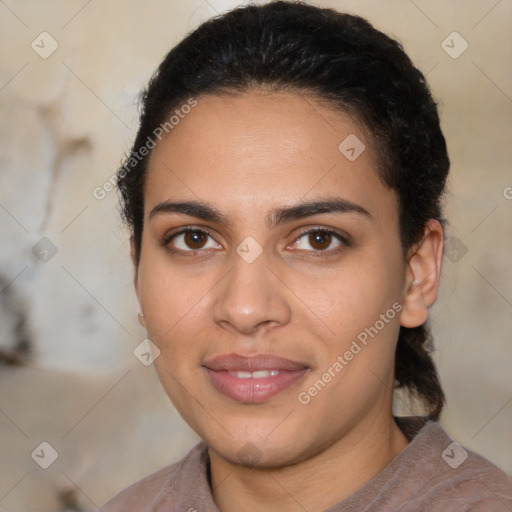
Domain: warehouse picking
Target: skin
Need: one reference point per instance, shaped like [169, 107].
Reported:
[248, 155]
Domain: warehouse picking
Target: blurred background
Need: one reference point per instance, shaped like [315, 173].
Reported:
[70, 73]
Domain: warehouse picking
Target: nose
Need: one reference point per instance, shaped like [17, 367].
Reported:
[251, 298]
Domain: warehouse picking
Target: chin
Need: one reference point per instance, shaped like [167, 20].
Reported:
[256, 448]
[258, 455]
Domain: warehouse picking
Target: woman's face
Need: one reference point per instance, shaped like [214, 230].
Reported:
[277, 311]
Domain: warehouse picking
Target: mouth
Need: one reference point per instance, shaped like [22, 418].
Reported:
[253, 379]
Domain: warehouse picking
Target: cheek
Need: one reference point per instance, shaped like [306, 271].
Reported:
[353, 296]
[359, 306]
[173, 302]
[357, 357]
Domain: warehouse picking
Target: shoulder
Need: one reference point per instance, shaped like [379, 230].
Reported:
[475, 485]
[456, 478]
[159, 487]
[475, 480]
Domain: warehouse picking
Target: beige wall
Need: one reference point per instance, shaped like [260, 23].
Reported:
[65, 122]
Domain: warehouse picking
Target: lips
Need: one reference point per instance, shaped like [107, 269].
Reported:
[235, 362]
[253, 379]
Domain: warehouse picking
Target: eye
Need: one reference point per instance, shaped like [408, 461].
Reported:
[190, 239]
[319, 240]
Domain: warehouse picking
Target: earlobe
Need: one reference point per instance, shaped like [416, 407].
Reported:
[134, 257]
[423, 274]
[133, 254]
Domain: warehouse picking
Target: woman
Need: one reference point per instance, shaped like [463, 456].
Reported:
[283, 193]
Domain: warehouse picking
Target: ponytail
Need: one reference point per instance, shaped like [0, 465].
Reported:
[415, 370]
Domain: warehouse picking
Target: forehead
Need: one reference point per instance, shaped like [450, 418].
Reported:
[262, 150]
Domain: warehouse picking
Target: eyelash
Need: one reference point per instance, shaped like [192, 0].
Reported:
[191, 229]
[343, 239]
[319, 253]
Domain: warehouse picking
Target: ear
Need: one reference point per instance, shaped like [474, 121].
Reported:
[134, 256]
[422, 275]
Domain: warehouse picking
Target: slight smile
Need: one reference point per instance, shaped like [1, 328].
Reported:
[253, 379]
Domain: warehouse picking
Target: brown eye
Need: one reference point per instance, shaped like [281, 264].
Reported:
[320, 240]
[190, 240]
[195, 239]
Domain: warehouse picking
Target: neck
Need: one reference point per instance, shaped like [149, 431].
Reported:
[355, 459]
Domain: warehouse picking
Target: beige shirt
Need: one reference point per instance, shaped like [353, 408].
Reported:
[431, 474]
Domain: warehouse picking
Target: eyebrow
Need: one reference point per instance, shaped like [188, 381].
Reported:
[197, 209]
[308, 209]
[206, 212]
